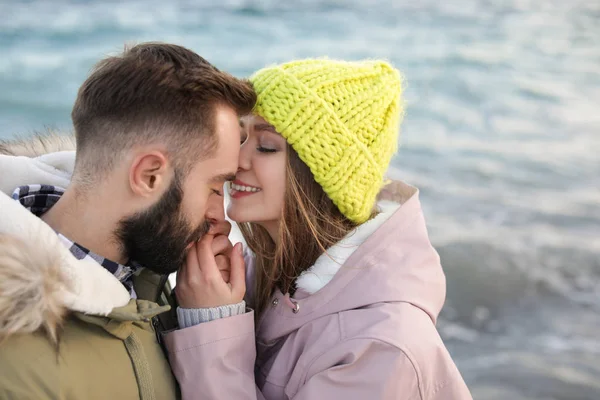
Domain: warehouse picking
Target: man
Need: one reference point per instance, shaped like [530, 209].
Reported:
[82, 267]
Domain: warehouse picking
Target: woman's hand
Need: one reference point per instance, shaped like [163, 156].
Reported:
[213, 275]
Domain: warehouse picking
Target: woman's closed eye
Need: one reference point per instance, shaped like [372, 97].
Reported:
[267, 144]
[266, 149]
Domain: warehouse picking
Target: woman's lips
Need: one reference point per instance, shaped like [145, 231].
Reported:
[239, 189]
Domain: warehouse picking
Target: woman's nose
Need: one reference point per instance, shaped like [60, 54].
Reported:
[245, 160]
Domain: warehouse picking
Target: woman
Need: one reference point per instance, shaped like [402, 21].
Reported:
[345, 292]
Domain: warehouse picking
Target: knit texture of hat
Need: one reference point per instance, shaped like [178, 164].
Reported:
[341, 118]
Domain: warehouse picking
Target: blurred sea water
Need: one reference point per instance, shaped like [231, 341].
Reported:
[501, 134]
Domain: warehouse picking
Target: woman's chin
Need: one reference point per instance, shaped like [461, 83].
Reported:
[234, 214]
[240, 218]
[242, 213]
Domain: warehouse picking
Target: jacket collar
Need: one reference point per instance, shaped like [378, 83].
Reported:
[329, 263]
[120, 320]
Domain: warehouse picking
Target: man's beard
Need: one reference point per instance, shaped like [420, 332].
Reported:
[157, 238]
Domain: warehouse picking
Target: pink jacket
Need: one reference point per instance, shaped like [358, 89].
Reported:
[360, 326]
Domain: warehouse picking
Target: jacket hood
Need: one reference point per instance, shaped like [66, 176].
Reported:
[40, 280]
[387, 259]
[45, 159]
[38, 144]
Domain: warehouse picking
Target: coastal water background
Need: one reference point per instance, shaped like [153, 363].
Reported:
[502, 136]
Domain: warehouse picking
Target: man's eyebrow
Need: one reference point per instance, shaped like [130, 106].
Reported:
[228, 176]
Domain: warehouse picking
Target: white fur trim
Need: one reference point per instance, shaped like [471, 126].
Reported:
[62, 161]
[50, 169]
[38, 144]
[328, 264]
[87, 286]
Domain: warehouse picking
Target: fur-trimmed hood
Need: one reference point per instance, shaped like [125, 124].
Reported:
[40, 280]
[45, 159]
[38, 144]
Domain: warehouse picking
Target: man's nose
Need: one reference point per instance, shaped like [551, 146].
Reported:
[215, 210]
[215, 215]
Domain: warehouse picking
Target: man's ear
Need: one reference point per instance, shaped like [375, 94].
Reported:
[149, 172]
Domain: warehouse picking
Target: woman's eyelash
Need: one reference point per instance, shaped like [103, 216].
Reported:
[265, 150]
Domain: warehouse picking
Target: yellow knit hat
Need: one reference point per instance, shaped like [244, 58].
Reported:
[341, 118]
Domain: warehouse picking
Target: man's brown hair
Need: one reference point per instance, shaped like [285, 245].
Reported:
[152, 92]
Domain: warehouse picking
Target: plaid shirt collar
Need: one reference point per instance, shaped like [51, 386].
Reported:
[40, 198]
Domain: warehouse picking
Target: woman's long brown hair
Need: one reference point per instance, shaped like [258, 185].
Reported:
[310, 223]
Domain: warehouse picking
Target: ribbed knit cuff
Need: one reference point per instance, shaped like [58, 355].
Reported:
[193, 316]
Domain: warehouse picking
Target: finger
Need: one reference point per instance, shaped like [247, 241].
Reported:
[220, 227]
[224, 266]
[226, 276]
[206, 259]
[188, 267]
[181, 272]
[221, 245]
[223, 262]
[238, 272]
